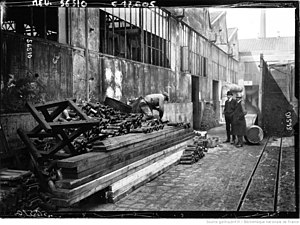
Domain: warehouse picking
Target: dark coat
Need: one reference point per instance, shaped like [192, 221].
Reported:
[238, 120]
[229, 108]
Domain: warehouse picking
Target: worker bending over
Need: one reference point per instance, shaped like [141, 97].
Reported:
[149, 103]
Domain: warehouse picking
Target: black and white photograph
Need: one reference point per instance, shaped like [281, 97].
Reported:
[149, 109]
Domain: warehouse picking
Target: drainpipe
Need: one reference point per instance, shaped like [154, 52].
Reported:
[86, 54]
[1, 43]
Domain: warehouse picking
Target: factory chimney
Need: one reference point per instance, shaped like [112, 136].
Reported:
[262, 33]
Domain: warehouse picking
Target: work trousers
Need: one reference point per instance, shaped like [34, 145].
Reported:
[228, 120]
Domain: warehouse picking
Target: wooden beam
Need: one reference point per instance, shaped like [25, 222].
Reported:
[90, 158]
[66, 141]
[83, 191]
[51, 104]
[72, 124]
[38, 117]
[124, 171]
[120, 193]
[109, 164]
[32, 149]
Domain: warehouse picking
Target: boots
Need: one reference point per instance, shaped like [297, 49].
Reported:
[233, 140]
[227, 140]
[240, 142]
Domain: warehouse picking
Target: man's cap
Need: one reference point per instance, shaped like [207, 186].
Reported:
[229, 93]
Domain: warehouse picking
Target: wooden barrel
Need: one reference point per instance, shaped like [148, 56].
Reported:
[254, 134]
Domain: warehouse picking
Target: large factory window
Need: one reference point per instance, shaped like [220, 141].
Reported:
[121, 34]
[204, 66]
[156, 37]
[32, 21]
[194, 48]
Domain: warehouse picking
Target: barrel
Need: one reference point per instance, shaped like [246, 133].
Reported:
[254, 134]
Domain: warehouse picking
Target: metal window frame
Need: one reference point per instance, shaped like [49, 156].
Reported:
[160, 40]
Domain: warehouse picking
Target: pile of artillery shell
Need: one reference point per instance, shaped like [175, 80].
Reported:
[20, 190]
[180, 124]
[111, 123]
[193, 153]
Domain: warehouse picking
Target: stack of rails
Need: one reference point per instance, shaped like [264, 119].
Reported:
[120, 164]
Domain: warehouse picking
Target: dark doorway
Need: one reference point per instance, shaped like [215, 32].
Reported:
[216, 101]
[196, 104]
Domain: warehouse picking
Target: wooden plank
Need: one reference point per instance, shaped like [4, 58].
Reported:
[38, 117]
[286, 201]
[73, 124]
[87, 159]
[120, 142]
[129, 181]
[9, 174]
[114, 197]
[3, 142]
[32, 149]
[53, 115]
[50, 104]
[135, 137]
[113, 174]
[90, 188]
[117, 163]
[39, 135]
[138, 143]
[140, 146]
[262, 189]
[70, 183]
[121, 158]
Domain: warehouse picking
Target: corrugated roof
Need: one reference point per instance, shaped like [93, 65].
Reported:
[267, 44]
[214, 15]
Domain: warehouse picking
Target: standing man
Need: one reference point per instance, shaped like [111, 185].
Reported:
[230, 105]
[151, 102]
[239, 121]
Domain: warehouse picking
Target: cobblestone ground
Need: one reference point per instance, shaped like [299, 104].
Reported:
[215, 182]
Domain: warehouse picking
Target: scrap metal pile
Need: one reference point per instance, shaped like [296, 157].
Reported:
[20, 191]
[111, 123]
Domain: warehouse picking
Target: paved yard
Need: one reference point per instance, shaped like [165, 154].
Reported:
[215, 183]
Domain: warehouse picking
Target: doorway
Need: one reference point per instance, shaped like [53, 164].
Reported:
[196, 104]
[216, 101]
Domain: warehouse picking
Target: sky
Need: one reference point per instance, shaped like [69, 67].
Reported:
[278, 21]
